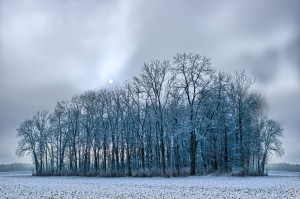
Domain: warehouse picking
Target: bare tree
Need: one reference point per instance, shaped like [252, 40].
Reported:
[271, 143]
[40, 120]
[28, 142]
[238, 93]
[194, 74]
[153, 80]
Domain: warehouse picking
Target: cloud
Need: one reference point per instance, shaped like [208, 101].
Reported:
[263, 66]
[80, 43]
[293, 52]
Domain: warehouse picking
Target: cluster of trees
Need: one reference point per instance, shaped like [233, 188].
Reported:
[174, 118]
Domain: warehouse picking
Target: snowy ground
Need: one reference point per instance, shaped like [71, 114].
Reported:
[276, 185]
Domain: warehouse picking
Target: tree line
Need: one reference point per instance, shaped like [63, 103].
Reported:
[179, 117]
[15, 167]
[283, 167]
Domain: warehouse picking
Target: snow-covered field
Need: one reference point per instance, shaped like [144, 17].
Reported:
[276, 185]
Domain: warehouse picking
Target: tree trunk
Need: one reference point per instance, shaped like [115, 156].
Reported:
[263, 162]
[193, 147]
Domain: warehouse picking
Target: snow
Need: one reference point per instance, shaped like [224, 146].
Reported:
[23, 185]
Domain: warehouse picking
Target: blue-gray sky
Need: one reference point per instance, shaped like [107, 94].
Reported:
[53, 49]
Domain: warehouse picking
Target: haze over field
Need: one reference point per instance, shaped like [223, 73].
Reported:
[52, 50]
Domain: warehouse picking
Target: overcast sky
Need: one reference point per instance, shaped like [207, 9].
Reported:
[51, 50]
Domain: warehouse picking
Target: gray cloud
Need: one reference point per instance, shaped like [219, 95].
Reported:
[51, 50]
[263, 66]
[65, 41]
[293, 52]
